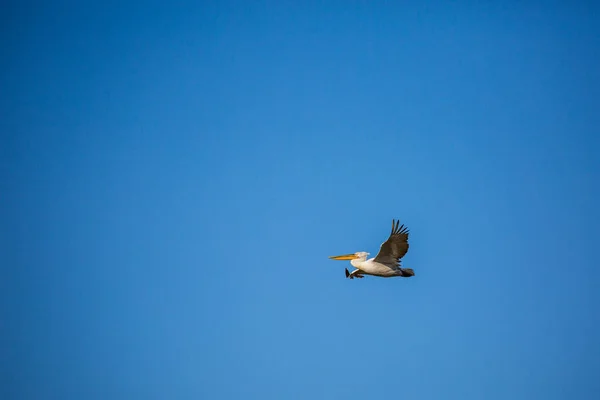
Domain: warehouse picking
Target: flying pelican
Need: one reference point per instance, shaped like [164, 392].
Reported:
[387, 261]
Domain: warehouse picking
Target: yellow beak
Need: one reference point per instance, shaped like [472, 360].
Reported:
[344, 257]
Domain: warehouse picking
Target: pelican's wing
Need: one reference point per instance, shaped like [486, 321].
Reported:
[393, 249]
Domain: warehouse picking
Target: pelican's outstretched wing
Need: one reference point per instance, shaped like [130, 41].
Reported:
[393, 249]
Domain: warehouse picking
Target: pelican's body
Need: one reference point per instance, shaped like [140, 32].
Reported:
[387, 262]
[372, 267]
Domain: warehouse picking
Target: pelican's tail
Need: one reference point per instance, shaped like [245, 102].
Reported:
[407, 272]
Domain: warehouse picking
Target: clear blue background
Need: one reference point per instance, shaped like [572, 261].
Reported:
[174, 177]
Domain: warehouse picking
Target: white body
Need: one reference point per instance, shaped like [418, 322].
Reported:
[370, 267]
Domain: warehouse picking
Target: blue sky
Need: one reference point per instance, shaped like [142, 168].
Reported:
[174, 177]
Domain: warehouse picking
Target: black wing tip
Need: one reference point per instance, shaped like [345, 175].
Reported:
[398, 229]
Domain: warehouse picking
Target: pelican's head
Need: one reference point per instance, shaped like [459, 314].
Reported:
[359, 255]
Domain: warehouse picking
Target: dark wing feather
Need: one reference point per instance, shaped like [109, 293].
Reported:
[393, 249]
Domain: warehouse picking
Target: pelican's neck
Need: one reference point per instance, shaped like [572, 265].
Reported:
[357, 262]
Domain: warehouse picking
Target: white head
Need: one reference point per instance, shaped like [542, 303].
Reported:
[355, 258]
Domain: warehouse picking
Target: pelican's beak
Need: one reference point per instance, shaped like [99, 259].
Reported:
[344, 257]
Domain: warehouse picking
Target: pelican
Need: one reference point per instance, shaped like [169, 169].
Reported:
[387, 262]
